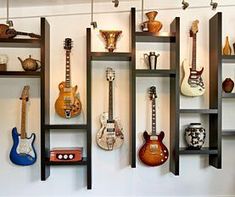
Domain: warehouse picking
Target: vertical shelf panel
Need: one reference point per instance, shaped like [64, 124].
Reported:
[133, 88]
[89, 108]
[174, 97]
[215, 122]
[45, 97]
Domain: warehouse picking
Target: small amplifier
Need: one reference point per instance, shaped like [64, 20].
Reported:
[64, 154]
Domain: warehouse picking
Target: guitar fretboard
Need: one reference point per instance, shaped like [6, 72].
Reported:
[68, 70]
[154, 117]
[23, 120]
[194, 55]
[110, 101]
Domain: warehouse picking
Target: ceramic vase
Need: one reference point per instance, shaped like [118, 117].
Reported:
[195, 136]
[227, 49]
[110, 38]
[228, 85]
[153, 25]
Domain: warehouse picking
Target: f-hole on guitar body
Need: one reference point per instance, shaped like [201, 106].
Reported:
[23, 152]
[192, 83]
[153, 152]
[68, 104]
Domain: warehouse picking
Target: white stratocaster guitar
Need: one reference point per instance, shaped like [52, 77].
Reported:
[192, 84]
[110, 136]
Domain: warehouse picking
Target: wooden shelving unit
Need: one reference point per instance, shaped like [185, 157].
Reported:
[199, 111]
[173, 39]
[91, 58]
[221, 61]
[202, 151]
[77, 163]
[20, 74]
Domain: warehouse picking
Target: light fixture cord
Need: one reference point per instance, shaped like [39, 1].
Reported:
[142, 11]
[92, 10]
[7, 11]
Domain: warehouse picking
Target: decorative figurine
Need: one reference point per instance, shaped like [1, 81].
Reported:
[151, 60]
[153, 25]
[110, 38]
[195, 136]
[3, 62]
[30, 64]
[228, 85]
[227, 49]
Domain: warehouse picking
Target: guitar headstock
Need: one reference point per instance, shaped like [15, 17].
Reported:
[194, 28]
[152, 92]
[110, 74]
[25, 93]
[68, 44]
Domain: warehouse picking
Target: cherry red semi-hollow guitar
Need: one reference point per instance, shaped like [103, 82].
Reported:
[153, 152]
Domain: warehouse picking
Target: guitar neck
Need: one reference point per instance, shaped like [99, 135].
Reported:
[154, 117]
[110, 101]
[68, 70]
[194, 55]
[23, 120]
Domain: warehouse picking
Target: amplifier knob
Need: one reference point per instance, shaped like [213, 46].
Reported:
[65, 156]
[60, 156]
[70, 156]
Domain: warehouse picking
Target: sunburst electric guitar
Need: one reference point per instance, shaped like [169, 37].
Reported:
[192, 84]
[110, 136]
[23, 152]
[68, 104]
[153, 152]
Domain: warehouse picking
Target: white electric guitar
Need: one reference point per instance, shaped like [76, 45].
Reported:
[192, 84]
[110, 136]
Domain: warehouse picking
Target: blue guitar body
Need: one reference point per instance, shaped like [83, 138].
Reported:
[23, 152]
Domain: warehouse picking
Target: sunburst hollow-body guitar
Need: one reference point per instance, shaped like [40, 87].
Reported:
[110, 136]
[192, 83]
[23, 152]
[153, 152]
[68, 104]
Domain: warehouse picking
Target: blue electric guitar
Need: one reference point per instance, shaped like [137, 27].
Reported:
[23, 152]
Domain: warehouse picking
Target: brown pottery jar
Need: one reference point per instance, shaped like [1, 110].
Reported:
[154, 26]
[228, 85]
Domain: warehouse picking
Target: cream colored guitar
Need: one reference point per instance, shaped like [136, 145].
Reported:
[68, 104]
[110, 136]
[192, 84]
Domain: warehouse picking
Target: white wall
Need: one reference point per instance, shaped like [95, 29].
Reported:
[112, 174]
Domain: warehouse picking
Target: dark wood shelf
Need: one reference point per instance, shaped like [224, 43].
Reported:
[154, 37]
[228, 95]
[155, 73]
[19, 74]
[228, 132]
[106, 56]
[228, 58]
[74, 163]
[20, 43]
[203, 151]
[66, 126]
[199, 111]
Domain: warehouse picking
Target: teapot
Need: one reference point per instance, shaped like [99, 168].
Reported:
[151, 60]
[30, 64]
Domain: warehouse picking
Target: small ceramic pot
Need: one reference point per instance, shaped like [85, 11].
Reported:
[195, 136]
[228, 85]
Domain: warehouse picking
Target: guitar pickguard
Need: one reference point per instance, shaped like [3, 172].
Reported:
[110, 136]
[192, 84]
